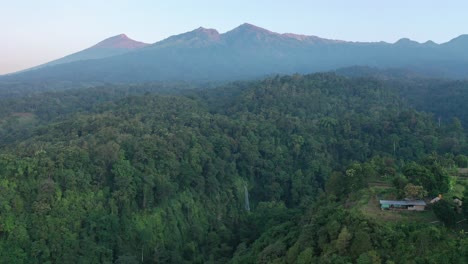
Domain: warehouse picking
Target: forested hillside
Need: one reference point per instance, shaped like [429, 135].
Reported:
[442, 97]
[269, 171]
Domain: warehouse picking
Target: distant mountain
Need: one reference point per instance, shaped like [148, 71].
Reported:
[109, 47]
[460, 42]
[247, 51]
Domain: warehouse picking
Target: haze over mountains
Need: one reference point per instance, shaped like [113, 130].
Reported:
[245, 52]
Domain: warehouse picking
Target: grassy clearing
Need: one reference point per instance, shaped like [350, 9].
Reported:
[368, 204]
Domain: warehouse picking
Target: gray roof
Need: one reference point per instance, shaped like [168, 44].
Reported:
[413, 202]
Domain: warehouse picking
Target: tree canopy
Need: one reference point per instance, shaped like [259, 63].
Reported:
[159, 176]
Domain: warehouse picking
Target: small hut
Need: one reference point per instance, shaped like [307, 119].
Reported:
[412, 205]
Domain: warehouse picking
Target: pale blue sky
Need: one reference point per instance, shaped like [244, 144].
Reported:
[34, 32]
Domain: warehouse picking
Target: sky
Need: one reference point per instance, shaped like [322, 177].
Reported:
[35, 32]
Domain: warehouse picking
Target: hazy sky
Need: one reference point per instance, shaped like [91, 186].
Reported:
[35, 32]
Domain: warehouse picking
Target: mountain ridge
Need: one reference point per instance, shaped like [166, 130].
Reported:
[112, 46]
[248, 51]
[120, 41]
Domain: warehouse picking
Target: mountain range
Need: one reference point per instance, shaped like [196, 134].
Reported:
[245, 52]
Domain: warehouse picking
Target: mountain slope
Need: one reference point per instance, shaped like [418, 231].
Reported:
[250, 52]
[109, 47]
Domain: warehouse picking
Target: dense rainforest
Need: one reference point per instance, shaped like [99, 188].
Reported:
[281, 170]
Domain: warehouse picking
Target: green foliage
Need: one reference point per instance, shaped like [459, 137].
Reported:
[414, 191]
[465, 202]
[104, 177]
[343, 241]
[371, 257]
[461, 161]
[445, 212]
[430, 174]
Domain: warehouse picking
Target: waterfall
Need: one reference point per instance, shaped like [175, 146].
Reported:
[247, 203]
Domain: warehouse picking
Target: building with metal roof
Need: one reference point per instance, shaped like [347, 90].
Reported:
[412, 205]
